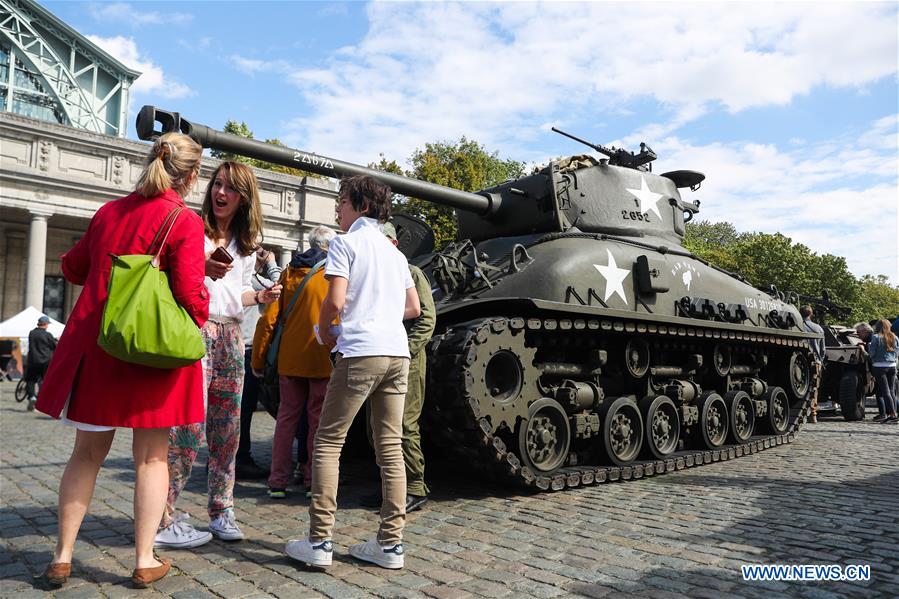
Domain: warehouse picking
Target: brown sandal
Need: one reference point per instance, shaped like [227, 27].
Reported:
[144, 577]
[57, 574]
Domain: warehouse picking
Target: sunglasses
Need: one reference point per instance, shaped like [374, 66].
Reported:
[259, 278]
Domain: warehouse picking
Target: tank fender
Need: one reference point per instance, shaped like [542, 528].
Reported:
[652, 274]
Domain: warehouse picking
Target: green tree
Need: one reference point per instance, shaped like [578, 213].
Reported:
[766, 259]
[240, 129]
[876, 299]
[714, 242]
[464, 165]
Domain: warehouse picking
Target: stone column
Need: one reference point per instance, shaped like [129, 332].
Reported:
[37, 260]
[286, 254]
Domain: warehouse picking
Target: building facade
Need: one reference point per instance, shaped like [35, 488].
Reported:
[53, 178]
[63, 119]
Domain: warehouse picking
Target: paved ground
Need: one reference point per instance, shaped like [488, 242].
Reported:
[831, 497]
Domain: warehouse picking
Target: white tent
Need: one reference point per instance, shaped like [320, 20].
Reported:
[24, 322]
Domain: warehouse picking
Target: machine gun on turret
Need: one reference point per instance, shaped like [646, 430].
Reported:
[619, 156]
[822, 305]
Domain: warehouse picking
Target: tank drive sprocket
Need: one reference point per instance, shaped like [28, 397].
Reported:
[501, 374]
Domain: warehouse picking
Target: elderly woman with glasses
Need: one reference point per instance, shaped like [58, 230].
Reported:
[232, 220]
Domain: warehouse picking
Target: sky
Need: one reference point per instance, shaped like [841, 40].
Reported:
[789, 109]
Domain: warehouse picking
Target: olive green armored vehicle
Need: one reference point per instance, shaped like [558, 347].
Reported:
[578, 341]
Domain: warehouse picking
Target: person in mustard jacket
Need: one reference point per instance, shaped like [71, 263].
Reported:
[304, 365]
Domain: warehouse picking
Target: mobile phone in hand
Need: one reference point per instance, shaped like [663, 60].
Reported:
[221, 255]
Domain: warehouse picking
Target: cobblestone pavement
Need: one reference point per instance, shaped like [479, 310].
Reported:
[831, 497]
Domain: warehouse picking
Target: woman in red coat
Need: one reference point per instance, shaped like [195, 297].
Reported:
[97, 393]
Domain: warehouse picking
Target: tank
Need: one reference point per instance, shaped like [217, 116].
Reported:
[578, 341]
[847, 377]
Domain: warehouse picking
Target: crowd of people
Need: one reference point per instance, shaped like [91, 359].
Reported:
[335, 327]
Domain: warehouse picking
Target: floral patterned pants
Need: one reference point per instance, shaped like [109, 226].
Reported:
[224, 367]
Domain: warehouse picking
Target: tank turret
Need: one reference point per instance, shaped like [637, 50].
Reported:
[577, 340]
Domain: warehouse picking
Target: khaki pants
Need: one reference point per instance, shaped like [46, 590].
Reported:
[383, 379]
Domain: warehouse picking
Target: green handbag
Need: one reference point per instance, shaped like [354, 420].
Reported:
[142, 323]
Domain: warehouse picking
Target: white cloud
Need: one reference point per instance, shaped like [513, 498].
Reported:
[837, 197]
[428, 71]
[252, 66]
[124, 13]
[493, 72]
[152, 79]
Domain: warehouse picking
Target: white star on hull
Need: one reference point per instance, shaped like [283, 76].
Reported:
[614, 277]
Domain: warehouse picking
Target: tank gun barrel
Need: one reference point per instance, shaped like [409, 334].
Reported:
[483, 204]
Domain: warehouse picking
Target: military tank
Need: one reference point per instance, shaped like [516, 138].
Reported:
[847, 378]
[578, 341]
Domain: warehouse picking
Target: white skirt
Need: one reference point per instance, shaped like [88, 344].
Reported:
[83, 426]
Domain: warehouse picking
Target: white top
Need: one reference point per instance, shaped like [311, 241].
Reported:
[377, 279]
[224, 293]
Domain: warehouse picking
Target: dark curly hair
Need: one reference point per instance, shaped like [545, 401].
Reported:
[368, 194]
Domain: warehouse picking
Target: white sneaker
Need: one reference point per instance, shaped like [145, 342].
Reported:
[224, 527]
[386, 556]
[181, 535]
[304, 551]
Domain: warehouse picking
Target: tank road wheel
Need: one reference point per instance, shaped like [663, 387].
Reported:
[544, 439]
[622, 430]
[662, 426]
[721, 359]
[636, 357]
[778, 418]
[503, 376]
[712, 420]
[852, 397]
[742, 415]
[799, 375]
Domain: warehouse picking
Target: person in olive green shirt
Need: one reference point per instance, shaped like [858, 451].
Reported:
[419, 331]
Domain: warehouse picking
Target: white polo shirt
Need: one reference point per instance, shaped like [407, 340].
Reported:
[377, 277]
[224, 293]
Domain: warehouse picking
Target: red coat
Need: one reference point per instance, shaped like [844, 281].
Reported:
[105, 390]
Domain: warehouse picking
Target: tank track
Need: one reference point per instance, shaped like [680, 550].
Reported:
[455, 414]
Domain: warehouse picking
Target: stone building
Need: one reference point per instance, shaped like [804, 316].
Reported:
[63, 154]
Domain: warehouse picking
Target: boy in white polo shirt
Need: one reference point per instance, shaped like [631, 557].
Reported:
[370, 288]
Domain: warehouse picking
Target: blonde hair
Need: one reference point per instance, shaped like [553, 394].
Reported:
[882, 328]
[246, 227]
[170, 163]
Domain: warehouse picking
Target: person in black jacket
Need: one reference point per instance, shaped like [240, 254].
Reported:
[40, 349]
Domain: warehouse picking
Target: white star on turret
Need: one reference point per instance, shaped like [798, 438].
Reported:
[649, 200]
[614, 278]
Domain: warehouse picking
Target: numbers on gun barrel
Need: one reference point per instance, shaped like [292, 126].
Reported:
[304, 158]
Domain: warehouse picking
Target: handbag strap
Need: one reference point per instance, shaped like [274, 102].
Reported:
[296, 294]
[282, 317]
[167, 225]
